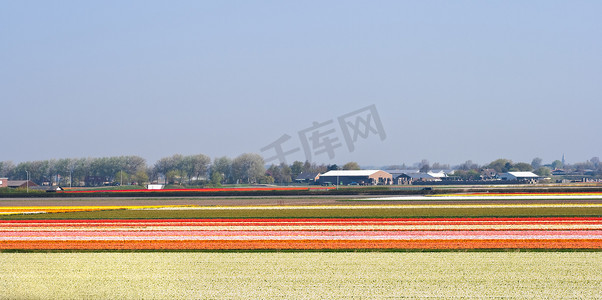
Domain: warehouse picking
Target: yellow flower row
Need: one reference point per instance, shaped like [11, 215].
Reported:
[518, 194]
[10, 210]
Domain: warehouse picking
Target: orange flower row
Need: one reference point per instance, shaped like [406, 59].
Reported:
[305, 244]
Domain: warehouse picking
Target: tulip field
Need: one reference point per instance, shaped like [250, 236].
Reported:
[303, 234]
[356, 248]
[319, 227]
[301, 275]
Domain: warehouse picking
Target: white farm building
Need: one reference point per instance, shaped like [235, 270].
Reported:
[356, 177]
[519, 176]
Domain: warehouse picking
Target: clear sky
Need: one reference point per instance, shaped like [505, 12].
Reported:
[450, 80]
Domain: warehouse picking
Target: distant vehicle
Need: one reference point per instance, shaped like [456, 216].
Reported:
[354, 183]
[327, 184]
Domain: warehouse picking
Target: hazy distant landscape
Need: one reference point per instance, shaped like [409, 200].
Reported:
[300, 150]
[200, 170]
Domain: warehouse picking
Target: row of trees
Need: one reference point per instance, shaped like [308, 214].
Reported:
[175, 169]
[472, 171]
[180, 169]
[246, 168]
[284, 173]
[75, 171]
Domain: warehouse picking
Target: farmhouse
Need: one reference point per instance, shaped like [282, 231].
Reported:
[519, 176]
[3, 182]
[20, 183]
[307, 177]
[356, 177]
[400, 176]
[410, 176]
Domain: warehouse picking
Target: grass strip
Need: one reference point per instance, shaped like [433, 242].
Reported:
[375, 212]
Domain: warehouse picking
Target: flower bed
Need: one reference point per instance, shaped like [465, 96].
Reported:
[247, 234]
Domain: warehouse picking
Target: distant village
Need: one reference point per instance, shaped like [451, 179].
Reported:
[409, 177]
[200, 170]
[501, 171]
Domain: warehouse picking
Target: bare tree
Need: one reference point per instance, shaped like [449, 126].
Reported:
[296, 168]
[223, 167]
[6, 168]
[196, 166]
[248, 167]
[468, 165]
[424, 166]
[536, 163]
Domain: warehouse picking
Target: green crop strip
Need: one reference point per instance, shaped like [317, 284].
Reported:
[411, 212]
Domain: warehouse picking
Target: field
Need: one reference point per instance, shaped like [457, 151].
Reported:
[295, 275]
[351, 224]
[465, 245]
[304, 234]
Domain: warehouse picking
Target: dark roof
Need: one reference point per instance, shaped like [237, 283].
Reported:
[307, 176]
[421, 176]
[18, 183]
[400, 172]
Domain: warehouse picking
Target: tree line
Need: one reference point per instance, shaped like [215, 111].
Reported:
[198, 169]
[76, 170]
[248, 168]
[473, 171]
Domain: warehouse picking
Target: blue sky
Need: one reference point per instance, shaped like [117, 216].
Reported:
[451, 80]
